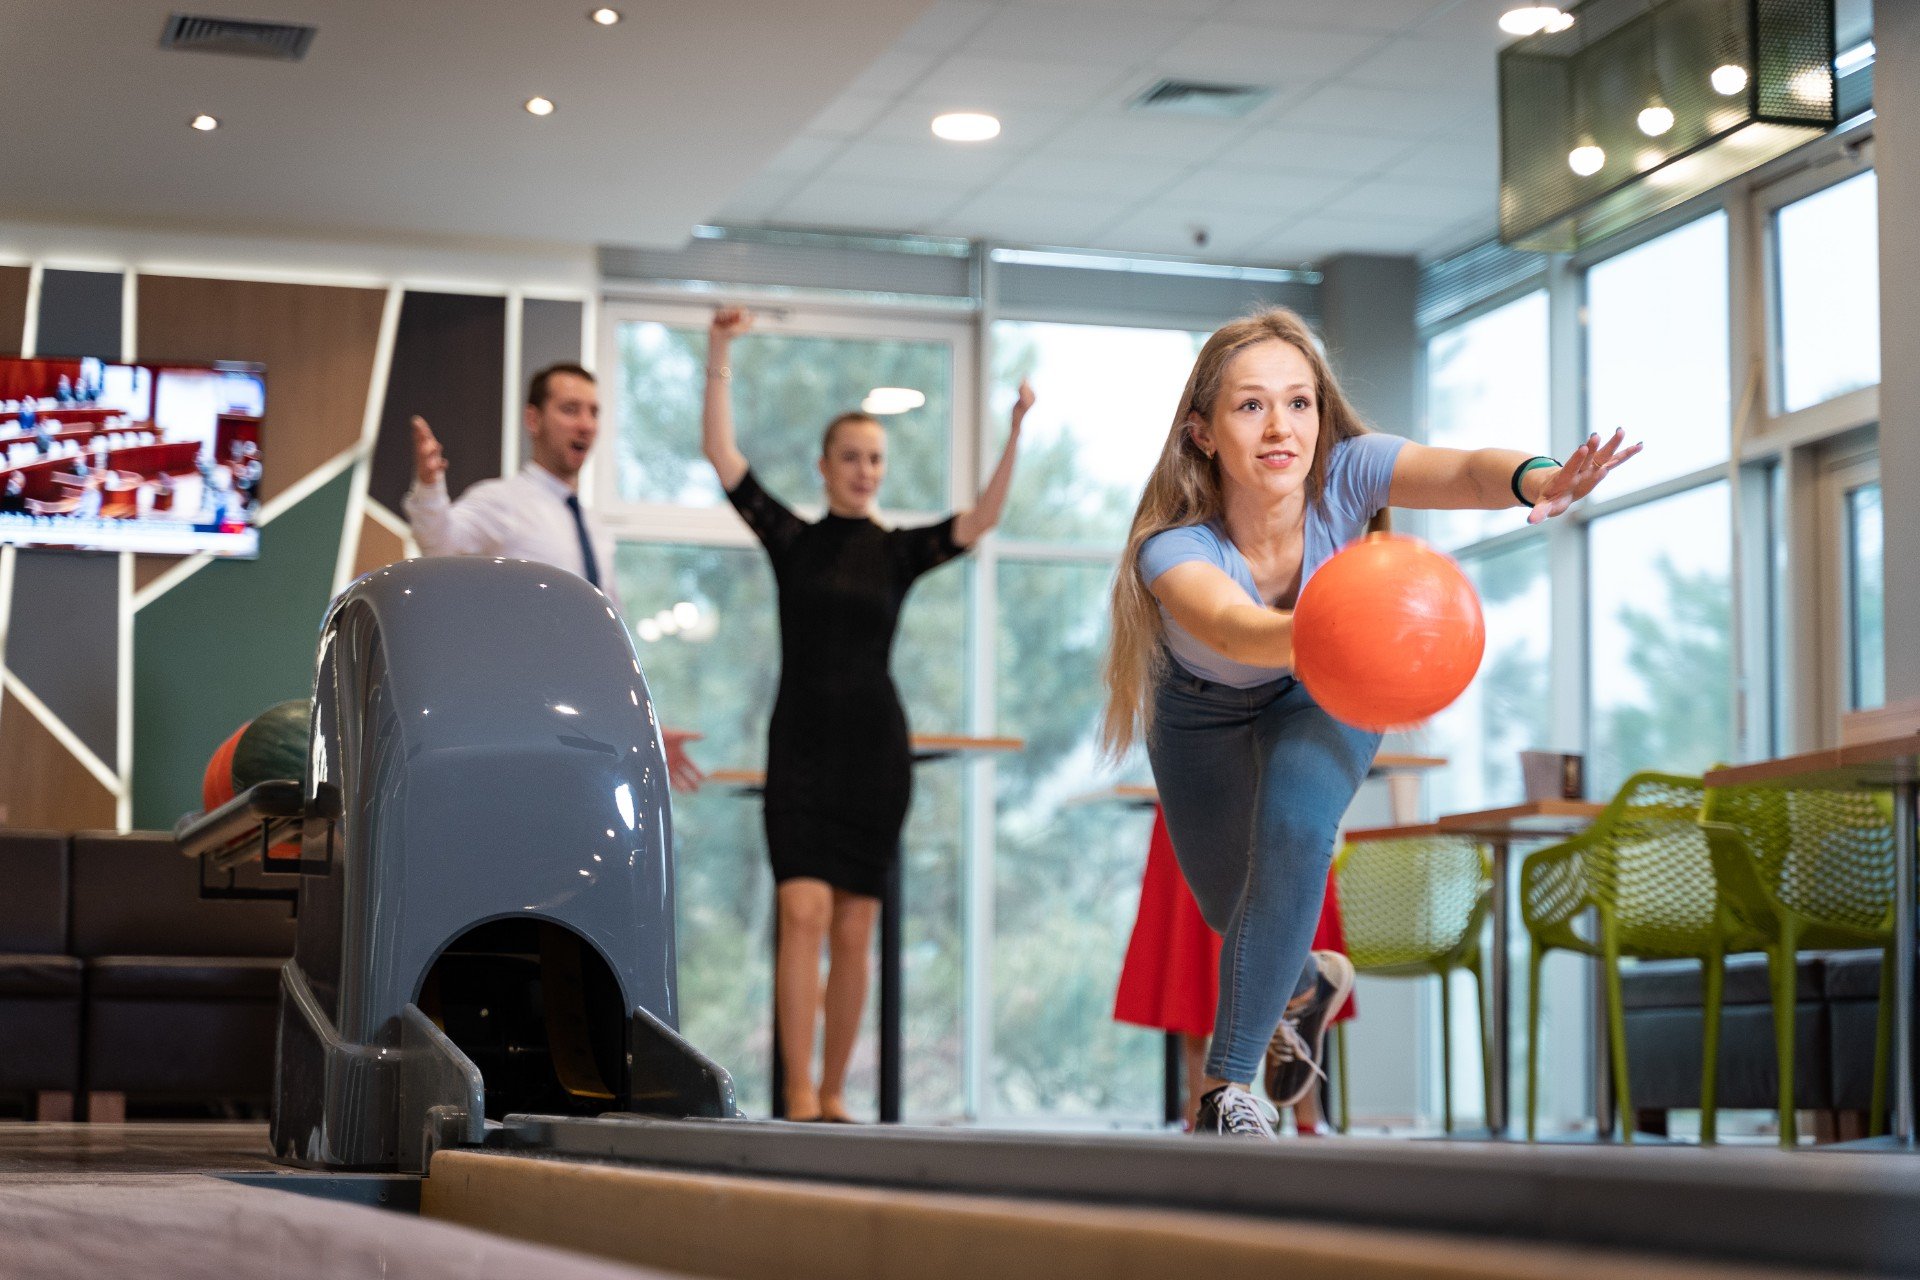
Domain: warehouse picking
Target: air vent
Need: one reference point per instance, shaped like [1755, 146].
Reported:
[1199, 98]
[281, 41]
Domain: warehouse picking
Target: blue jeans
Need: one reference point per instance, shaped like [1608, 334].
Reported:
[1254, 783]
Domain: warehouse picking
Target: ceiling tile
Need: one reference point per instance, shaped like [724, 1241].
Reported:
[1129, 134]
[1347, 233]
[1411, 62]
[1112, 39]
[1355, 15]
[1288, 147]
[892, 73]
[1054, 171]
[874, 206]
[1022, 127]
[1456, 161]
[1165, 228]
[1365, 109]
[946, 26]
[1266, 55]
[1431, 202]
[1016, 218]
[1281, 195]
[760, 200]
[805, 154]
[972, 82]
[931, 160]
[848, 115]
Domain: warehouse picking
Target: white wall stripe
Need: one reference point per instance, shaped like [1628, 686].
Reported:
[511, 370]
[30, 332]
[65, 736]
[123, 763]
[369, 437]
[129, 316]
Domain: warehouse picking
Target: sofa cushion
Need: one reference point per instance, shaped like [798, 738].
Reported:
[1853, 975]
[184, 978]
[50, 977]
[1675, 984]
[134, 894]
[33, 909]
[1664, 1048]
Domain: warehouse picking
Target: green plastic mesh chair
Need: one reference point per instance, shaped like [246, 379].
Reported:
[1413, 908]
[1643, 872]
[1807, 870]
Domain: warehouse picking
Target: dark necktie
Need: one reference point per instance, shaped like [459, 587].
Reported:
[586, 543]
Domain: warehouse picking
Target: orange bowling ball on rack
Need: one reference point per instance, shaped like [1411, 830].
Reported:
[1387, 633]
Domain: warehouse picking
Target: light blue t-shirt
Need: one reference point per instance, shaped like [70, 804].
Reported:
[1359, 473]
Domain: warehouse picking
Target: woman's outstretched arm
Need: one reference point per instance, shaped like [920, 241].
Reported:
[1434, 479]
[971, 526]
[716, 417]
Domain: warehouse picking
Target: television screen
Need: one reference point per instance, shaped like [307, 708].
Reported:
[163, 458]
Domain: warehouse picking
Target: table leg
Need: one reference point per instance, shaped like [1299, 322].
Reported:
[1498, 1028]
[1906, 853]
[1173, 1089]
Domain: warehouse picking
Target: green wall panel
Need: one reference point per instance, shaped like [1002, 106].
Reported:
[226, 644]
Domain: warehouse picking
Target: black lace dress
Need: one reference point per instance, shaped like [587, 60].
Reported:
[839, 768]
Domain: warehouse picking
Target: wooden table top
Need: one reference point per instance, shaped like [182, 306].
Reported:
[1882, 762]
[1386, 763]
[1538, 819]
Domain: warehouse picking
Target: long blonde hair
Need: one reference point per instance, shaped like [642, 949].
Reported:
[1184, 489]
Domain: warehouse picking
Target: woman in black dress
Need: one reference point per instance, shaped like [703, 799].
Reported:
[839, 772]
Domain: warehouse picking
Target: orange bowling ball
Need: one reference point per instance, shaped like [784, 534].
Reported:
[1387, 633]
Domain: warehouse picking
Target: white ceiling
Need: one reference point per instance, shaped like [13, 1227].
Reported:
[1382, 133]
[407, 115]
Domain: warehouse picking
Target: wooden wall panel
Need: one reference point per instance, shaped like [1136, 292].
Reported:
[41, 784]
[13, 308]
[379, 547]
[317, 342]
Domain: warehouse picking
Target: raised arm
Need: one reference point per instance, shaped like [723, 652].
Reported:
[1215, 610]
[440, 526]
[1435, 479]
[971, 526]
[716, 418]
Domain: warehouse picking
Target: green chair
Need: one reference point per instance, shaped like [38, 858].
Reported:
[1643, 872]
[1412, 907]
[1809, 870]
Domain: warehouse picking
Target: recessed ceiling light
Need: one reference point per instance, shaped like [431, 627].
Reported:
[891, 400]
[205, 123]
[606, 17]
[1532, 19]
[966, 126]
[540, 106]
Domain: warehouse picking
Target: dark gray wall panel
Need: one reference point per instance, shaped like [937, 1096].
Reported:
[80, 313]
[549, 334]
[449, 363]
[63, 640]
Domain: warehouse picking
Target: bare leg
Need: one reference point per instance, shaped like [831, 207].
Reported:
[806, 906]
[1308, 1119]
[1194, 1053]
[848, 948]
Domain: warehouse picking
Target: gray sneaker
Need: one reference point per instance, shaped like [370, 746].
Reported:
[1234, 1112]
[1299, 1042]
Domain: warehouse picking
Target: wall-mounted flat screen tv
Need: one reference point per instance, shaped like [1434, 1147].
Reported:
[163, 458]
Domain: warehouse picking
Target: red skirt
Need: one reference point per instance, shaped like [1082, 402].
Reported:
[1170, 979]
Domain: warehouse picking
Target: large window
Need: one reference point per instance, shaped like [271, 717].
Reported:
[1867, 651]
[1660, 637]
[1827, 249]
[1107, 398]
[1499, 715]
[786, 388]
[1657, 345]
[1487, 387]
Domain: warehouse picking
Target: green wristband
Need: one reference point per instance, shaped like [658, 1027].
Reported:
[1519, 472]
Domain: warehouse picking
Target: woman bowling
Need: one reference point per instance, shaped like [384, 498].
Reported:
[1265, 473]
[838, 770]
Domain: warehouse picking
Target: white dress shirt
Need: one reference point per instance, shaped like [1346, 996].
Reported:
[521, 517]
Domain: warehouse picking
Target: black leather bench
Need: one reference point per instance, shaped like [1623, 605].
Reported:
[40, 983]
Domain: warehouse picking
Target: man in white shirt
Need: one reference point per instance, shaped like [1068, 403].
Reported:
[535, 514]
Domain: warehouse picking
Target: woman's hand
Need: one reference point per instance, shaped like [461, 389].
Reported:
[1021, 403]
[1579, 474]
[729, 323]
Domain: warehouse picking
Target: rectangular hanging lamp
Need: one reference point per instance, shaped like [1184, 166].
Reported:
[1639, 105]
